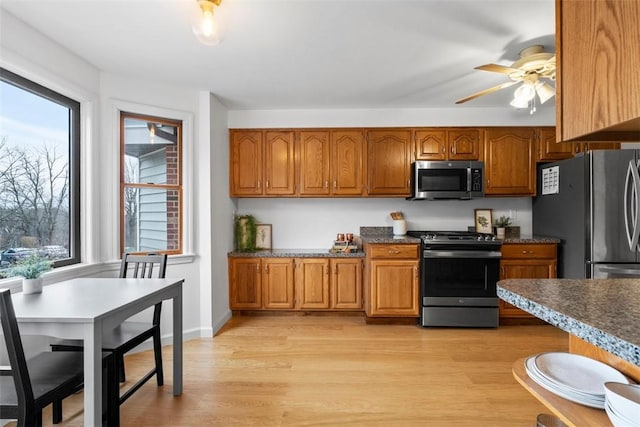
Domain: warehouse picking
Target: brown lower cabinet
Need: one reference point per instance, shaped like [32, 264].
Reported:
[392, 280]
[278, 283]
[526, 261]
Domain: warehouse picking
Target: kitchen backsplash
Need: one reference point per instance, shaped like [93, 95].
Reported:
[314, 223]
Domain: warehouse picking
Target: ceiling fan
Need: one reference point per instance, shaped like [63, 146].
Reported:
[532, 70]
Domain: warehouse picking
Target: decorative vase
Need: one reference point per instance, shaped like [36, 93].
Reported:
[500, 233]
[32, 286]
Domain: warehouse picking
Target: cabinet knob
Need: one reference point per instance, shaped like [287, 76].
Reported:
[258, 184]
[393, 252]
[326, 184]
[335, 184]
[266, 184]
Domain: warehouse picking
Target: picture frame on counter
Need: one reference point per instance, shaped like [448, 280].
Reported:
[483, 220]
[263, 236]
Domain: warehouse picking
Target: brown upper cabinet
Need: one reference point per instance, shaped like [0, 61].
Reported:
[597, 84]
[549, 150]
[389, 157]
[262, 163]
[331, 162]
[509, 157]
[448, 144]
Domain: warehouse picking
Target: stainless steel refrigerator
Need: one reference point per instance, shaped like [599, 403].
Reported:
[592, 203]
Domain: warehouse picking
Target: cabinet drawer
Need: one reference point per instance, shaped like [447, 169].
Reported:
[393, 251]
[529, 251]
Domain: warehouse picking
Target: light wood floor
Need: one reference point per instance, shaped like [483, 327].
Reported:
[325, 370]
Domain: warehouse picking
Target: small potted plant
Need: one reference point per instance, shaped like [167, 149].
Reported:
[501, 224]
[245, 230]
[31, 270]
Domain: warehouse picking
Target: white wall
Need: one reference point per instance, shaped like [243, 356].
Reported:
[30, 54]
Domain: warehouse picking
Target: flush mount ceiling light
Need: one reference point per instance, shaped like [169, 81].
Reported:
[533, 66]
[206, 29]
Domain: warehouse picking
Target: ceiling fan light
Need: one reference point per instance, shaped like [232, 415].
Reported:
[545, 91]
[526, 92]
[519, 103]
[206, 29]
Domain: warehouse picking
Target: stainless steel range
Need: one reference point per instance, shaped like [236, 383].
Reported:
[458, 275]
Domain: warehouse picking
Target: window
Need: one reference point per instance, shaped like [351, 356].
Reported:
[150, 184]
[39, 173]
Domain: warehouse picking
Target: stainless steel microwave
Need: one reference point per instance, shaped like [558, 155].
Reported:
[455, 179]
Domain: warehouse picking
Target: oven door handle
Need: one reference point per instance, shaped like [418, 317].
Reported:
[461, 254]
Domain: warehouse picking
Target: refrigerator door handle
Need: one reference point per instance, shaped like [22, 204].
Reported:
[632, 204]
[623, 271]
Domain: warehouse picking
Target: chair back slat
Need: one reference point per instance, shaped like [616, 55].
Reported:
[15, 350]
[143, 266]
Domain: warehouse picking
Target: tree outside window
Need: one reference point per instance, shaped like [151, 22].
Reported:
[151, 184]
[39, 173]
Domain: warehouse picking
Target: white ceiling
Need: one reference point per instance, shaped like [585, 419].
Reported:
[306, 54]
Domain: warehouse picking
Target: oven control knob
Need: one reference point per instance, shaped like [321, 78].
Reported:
[479, 238]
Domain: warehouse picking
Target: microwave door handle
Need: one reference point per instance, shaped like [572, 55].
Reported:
[469, 179]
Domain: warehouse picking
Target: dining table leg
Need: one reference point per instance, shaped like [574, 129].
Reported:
[177, 342]
[93, 374]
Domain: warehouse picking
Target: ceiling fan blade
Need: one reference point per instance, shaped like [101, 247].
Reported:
[497, 68]
[486, 91]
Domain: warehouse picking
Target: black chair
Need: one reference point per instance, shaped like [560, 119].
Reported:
[129, 335]
[29, 385]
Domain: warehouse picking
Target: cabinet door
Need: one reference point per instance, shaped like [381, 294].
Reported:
[347, 162]
[394, 288]
[597, 52]
[277, 283]
[603, 145]
[510, 162]
[464, 144]
[526, 261]
[312, 283]
[523, 269]
[346, 283]
[279, 163]
[314, 163]
[550, 150]
[245, 163]
[431, 144]
[389, 162]
[245, 283]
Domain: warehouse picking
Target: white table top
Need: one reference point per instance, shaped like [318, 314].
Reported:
[84, 299]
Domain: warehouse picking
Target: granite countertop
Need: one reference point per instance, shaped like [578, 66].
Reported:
[295, 253]
[384, 235]
[531, 240]
[603, 312]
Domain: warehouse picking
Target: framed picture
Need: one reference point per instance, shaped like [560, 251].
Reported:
[263, 236]
[483, 221]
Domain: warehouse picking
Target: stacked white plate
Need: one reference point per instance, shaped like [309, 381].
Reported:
[574, 377]
[622, 403]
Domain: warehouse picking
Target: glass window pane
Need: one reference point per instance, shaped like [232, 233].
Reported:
[37, 186]
[151, 220]
[151, 152]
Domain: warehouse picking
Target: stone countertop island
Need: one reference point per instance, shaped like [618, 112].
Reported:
[602, 312]
[602, 318]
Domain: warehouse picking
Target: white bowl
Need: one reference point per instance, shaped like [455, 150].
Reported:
[624, 399]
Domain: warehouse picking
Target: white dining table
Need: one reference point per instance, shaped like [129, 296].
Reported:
[85, 307]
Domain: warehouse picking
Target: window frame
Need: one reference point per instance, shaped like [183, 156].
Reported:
[178, 187]
[74, 165]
